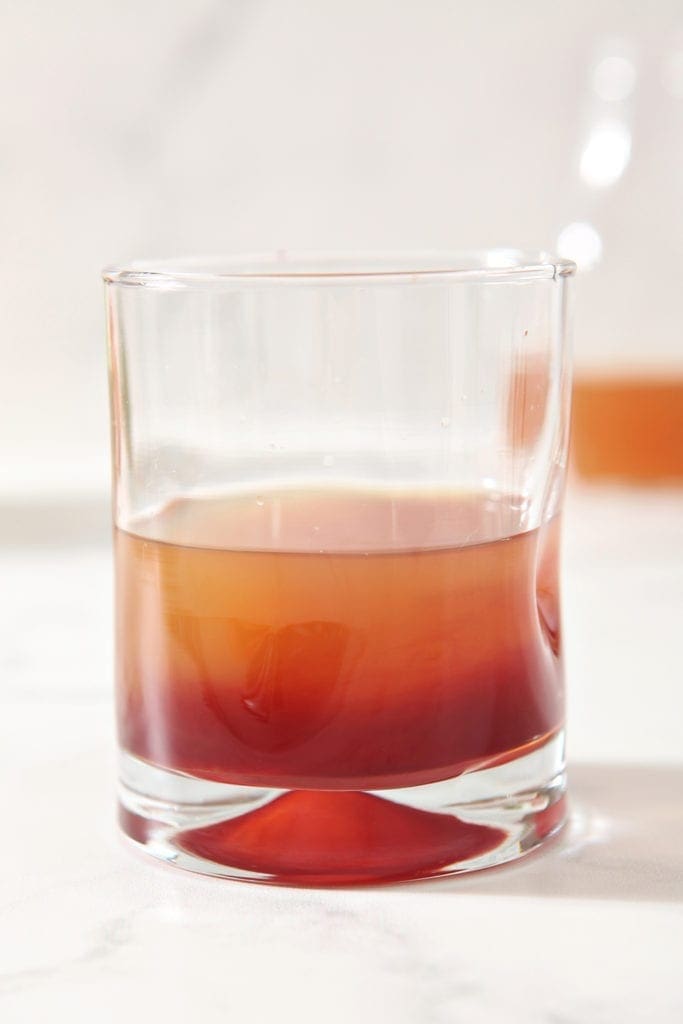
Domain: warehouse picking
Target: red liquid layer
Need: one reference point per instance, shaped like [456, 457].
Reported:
[331, 640]
[340, 839]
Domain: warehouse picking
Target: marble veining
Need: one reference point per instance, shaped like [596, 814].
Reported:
[583, 931]
[586, 932]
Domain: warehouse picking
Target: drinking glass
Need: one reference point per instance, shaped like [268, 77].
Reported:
[337, 493]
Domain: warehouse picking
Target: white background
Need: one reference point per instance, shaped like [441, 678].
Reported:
[170, 127]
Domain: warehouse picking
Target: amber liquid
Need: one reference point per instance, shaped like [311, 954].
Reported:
[329, 640]
[628, 429]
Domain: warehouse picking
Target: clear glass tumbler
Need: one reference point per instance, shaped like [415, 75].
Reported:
[337, 502]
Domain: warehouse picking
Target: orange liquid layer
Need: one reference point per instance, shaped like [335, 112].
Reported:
[336, 640]
[629, 429]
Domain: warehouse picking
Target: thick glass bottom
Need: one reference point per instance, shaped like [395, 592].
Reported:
[346, 837]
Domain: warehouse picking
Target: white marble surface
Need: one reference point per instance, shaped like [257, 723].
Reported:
[591, 930]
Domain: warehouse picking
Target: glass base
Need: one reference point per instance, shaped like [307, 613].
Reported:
[326, 837]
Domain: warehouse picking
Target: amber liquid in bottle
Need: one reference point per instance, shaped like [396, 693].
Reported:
[629, 428]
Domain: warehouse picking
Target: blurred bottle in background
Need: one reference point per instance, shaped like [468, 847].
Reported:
[628, 390]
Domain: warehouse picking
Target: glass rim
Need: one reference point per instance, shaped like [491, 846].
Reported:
[310, 267]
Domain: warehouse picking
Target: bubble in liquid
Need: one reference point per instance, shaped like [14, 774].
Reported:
[328, 460]
[259, 501]
[445, 421]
